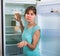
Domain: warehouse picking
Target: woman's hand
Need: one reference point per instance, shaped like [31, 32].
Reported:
[17, 17]
[22, 44]
[16, 28]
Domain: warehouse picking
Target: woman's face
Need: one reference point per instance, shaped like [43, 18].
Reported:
[30, 16]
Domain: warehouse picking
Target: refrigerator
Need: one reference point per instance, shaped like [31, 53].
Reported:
[48, 18]
[49, 22]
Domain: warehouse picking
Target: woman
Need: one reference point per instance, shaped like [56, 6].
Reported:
[31, 33]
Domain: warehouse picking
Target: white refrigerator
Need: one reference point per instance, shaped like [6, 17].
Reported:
[48, 18]
[49, 22]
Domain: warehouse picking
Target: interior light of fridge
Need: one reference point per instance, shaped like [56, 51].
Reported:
[54, 10]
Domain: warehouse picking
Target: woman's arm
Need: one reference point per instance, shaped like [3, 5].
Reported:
[35, 40]
[21, 26]
[17, 17]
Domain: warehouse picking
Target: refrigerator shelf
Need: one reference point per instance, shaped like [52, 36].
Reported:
[20, 2]
[11, 44]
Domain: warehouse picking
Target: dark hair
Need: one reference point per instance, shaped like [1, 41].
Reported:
[30, 8]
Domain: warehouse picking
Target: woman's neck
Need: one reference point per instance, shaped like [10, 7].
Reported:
[31, 24]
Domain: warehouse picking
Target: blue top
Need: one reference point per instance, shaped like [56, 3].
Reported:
[27, 36]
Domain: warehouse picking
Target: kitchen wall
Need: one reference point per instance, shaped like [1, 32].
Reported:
[0, 32]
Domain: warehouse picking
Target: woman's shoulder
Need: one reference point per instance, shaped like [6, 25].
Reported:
[37, 27]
